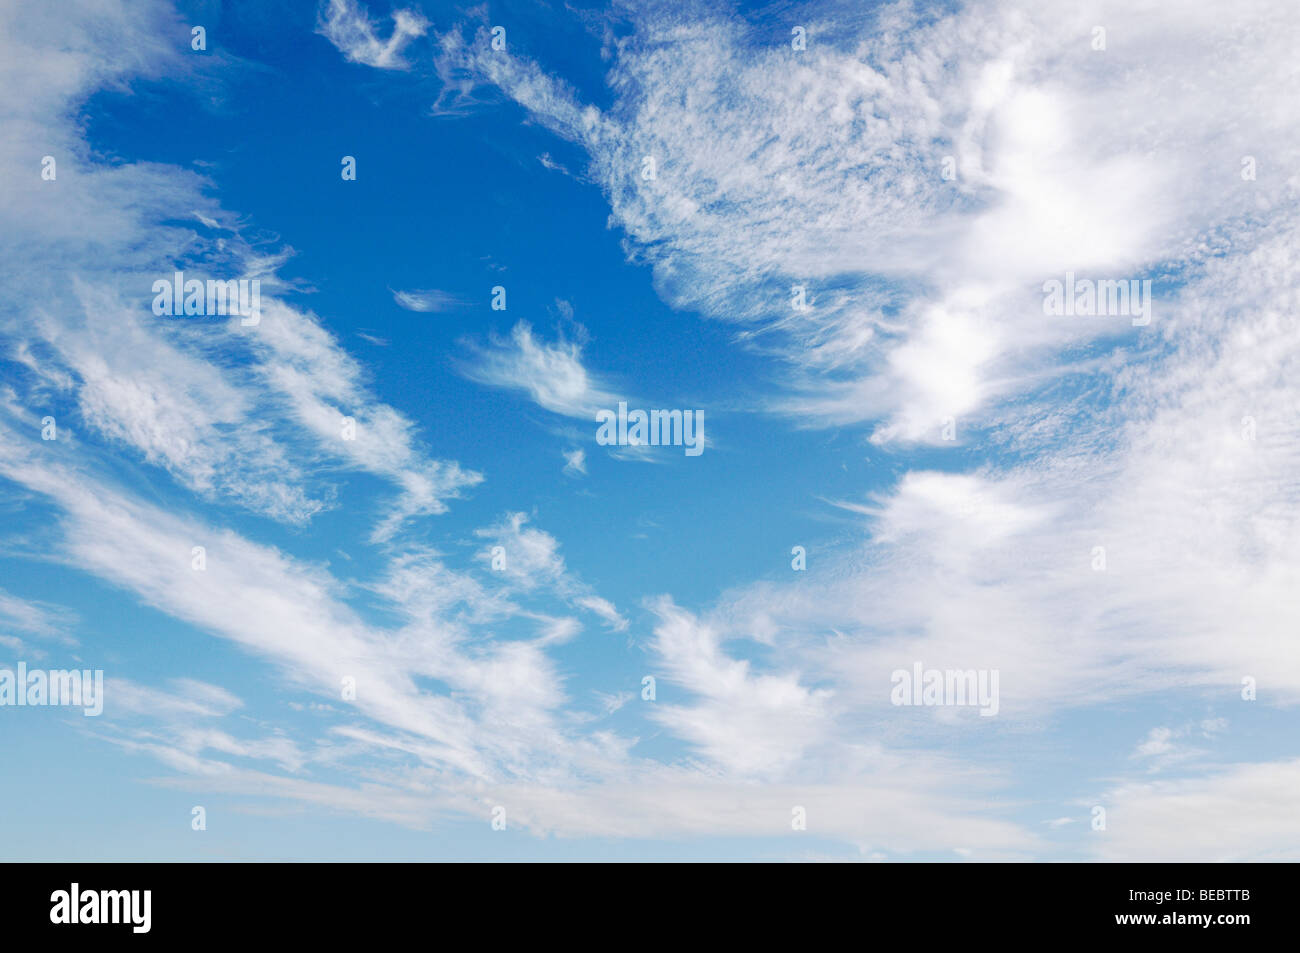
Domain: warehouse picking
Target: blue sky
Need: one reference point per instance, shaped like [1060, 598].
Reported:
[951, 457]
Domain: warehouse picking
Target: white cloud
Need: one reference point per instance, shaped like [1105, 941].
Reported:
[347, 25]
[1235, 813]
[612, 703]
[552, 375]
[824, 169]
[922, 305]
[1158, 742]
[189, 697]
[549, 163]
[529, 559]
[605, 609]
[1136, 547]
[429, 299]
[575, 462]
[321, 386]
[748, 723]
[40, 619]
[232, 413]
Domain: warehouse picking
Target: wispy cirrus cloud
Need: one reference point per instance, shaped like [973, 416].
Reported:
[232, 413]
[529, 558]
[575, 462]
[430, 299]
[773, 168]
[552, 375]
[922, 289]
[41, 619]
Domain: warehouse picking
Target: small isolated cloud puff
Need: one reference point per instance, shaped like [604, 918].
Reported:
[347, 25]
[426, 300]
[575, 462]
[552, 375]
